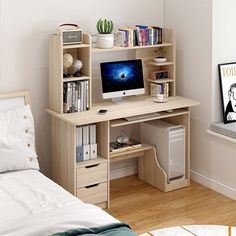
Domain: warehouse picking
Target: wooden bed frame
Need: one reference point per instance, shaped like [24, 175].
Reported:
[21, 94]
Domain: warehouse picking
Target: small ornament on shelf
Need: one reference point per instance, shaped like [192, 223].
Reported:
[161, 55]
[77, 65]
[67, 62]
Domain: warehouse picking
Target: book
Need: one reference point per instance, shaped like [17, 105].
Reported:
[121, 147]
[67, 97]
[72, 97]
[79, 96]
[155, 89]
[158, 34]
[138, 35]
[87, 94]
[119, 38]
[82, 95]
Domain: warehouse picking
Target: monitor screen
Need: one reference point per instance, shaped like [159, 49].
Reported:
[122, 78]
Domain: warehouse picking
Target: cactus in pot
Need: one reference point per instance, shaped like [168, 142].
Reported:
[105, 37]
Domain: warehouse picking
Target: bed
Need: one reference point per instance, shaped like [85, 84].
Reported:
[32, 204]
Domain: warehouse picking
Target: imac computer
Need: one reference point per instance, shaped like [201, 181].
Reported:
[122, 78]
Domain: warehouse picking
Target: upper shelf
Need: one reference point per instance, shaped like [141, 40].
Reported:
[115, 48]
[81, 45]
[71, 79]
[167, 63]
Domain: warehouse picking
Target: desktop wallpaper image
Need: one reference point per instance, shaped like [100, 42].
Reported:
[122, 75]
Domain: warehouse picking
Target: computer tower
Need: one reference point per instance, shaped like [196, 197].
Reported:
[169, 140]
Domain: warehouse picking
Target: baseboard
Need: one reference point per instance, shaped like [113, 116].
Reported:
[214, 185]
[123, 172]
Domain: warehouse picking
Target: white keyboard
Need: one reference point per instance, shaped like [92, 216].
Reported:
[142, 117]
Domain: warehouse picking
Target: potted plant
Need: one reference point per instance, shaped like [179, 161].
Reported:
[105, 37]
[161, 55]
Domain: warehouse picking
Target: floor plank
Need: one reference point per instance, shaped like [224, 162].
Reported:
[145, 208]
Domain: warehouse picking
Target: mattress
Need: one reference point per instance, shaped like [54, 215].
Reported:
[32, 204]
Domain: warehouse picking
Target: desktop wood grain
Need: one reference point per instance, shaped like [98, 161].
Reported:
[145, 208]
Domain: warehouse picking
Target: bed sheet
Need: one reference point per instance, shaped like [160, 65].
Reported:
[32, 204]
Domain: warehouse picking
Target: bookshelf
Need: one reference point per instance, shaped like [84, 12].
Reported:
[56, 81]
[90, 180]
[147, 54]
[84, 52]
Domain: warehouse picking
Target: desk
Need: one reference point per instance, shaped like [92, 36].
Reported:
[68, 173]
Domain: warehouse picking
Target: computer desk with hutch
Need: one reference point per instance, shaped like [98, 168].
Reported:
[90, 180]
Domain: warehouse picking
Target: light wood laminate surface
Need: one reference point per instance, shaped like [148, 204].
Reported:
[146, 208]
[135, 105]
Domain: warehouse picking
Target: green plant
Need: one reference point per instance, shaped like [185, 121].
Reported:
[104, 26]
[161, 52]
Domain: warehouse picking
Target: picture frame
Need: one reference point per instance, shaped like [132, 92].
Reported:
[227, 76]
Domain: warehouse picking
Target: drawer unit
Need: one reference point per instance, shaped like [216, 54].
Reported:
[93, 194]
[91, 174]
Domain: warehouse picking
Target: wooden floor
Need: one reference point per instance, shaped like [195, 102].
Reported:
[145, 208]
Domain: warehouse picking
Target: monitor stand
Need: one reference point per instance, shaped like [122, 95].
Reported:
[119, 100]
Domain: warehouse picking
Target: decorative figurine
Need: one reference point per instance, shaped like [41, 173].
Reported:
[67, 62]
[77, 65]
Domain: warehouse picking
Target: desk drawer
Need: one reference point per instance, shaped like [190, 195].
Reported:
[93, 194]
[91, 174]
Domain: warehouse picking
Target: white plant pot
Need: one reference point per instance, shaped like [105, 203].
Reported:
[105, 40]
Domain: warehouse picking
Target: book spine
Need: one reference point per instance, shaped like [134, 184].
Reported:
[65, 97]
[69, 97]
[79, 96]
[119, 38]
[76, 97]
[142, 33]
[146, 36]
[87, 95]
[82, 95]
[73, 97]
[127, 38]
[155, 40]
[139, 38]
[159, 35]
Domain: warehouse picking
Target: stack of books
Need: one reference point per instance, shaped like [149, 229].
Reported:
[121, 147]
[75, 96]
[86, 146]
[138, 35]
[162, 88]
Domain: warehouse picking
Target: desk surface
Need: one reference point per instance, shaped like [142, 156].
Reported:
[132, 106]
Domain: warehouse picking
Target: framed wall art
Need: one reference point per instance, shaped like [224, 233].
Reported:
[227, 75]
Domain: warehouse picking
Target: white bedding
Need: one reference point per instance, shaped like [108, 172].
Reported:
[32, 204]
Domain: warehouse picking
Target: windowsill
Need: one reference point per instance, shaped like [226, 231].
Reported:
[224, 131]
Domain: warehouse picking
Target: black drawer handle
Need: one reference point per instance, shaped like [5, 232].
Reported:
[92, 186]
[91, 166]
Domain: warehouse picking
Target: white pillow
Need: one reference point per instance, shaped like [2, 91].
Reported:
[17, 140]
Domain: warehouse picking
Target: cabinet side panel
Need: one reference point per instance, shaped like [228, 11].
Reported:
[169, 37]
[103, 142]
[103, 137]
[55, 74]
[87, 63]
[63, 154]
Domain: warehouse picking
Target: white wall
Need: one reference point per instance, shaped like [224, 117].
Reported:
[24, 29]
[224, 50]
[206, 36]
